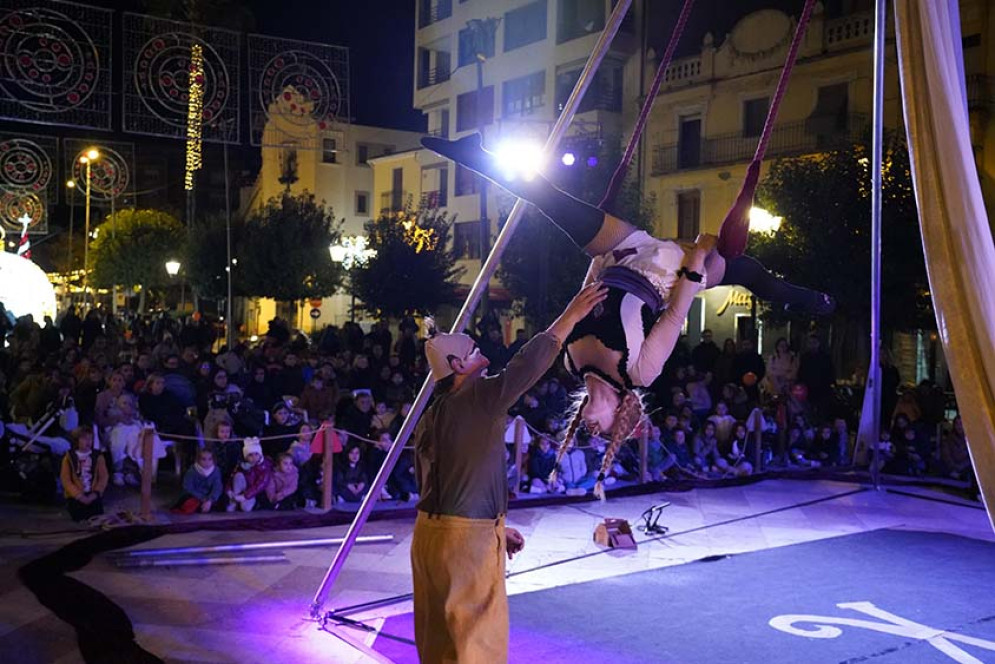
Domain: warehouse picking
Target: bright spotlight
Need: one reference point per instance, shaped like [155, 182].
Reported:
[518, 158]
[568, 159]
[762, 221]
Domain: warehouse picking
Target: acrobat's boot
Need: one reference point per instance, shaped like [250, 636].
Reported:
[749, 273]
[815, 303]
[579, 220]
[735, 229]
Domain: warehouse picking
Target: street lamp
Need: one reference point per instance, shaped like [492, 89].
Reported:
[762, 221]
[87, 159]
[173, 269]
[353, 251]
[71, 186]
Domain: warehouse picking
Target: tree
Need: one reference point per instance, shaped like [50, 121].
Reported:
[207, 254]
[541, 267]
[413, 270]
[283, 250]
[131, 248]
[824, 240]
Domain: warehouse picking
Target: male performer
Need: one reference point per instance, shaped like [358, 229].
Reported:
[457, 554]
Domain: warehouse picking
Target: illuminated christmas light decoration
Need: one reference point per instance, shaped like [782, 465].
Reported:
[422, 239]
[353, 251]
[195, 114]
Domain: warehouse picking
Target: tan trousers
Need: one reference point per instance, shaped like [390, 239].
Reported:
[461, 605]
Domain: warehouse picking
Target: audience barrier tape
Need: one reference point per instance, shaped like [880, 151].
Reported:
[253, 546]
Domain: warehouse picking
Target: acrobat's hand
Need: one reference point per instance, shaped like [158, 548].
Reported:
[514, 541]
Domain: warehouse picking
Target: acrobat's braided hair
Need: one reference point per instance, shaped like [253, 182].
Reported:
[568, 440]
[627, 416]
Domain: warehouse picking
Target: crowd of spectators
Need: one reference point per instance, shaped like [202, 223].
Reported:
[248, 425]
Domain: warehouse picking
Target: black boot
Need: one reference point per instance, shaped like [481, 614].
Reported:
[579, 220]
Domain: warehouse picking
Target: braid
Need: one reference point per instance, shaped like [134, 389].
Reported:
[627, 416]
[569, 438]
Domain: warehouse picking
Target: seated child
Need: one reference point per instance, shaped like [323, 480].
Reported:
[84, 476]
[202, 485]
[351, 482]
[250, 478]
[282, 488]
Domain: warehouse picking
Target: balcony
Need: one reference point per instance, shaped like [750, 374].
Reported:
[431, 200]
[789, 139]
[433, 11]
[848, 31]
[434, 76]
[393, 201]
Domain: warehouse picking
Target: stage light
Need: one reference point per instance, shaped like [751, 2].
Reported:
[762, 221]
[568, 159]
[592, 162]
[518, 158]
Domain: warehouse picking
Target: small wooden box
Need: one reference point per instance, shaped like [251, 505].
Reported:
[615, 534]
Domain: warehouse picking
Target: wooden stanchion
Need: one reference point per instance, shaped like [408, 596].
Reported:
[327, 471]
[644, 448]
[758, 432]
[519, 439]
[148, 436]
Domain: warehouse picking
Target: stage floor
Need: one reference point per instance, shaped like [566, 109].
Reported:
[258, 613]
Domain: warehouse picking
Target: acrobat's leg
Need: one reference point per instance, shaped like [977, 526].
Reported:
[590, 228]
[735, 229]
[749, 273]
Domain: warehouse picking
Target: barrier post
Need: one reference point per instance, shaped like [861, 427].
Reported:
[519, 439]
[644, 448]
[326, 471]
[147, 438]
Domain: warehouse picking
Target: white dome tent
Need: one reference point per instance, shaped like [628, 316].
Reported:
[24, 288]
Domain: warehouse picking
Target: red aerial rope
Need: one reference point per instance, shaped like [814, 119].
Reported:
[735, 229]
[619, 175]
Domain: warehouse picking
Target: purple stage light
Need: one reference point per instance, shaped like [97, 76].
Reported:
[592, 162]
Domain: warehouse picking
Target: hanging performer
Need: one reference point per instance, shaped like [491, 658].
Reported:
[457, 554]
[623, 344]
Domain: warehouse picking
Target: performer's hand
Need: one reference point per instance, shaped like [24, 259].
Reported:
[706, 242]
[514, 541]
[580, 306]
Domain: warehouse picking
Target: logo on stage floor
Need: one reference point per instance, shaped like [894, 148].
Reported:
[822, 628]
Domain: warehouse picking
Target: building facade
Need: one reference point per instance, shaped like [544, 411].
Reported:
[333, 164]
[708, 118]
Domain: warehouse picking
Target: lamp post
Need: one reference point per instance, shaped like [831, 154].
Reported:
[351, 252]
[87, 160]
[173, 269]
[71, 186]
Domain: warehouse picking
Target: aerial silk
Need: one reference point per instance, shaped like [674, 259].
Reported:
[957, 239]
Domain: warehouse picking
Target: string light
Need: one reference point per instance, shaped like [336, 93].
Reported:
[195, 114]
[353, 251]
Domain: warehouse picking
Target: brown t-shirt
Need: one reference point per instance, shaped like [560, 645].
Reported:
[460, 453]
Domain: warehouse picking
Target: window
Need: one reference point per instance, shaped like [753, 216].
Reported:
[328, 150]
[470, 114]
[468, 44]
[830, 114]
[576, 18]
[444, 123]
[362, 154]
[362, 202]
[604, 94]
[525, 25]
[466, 181]
[754, 116]
[689, 143]
[688, 214]
[520, 96]
[466, 240]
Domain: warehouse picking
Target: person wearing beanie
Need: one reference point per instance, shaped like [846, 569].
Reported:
[250, 478]
[460, 539]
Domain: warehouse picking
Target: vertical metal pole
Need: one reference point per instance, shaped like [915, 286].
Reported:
[493, 260]
[229, 322]
[874, 374]
[86, 242]
[484, 235]
[69, 259]
[113, 234]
